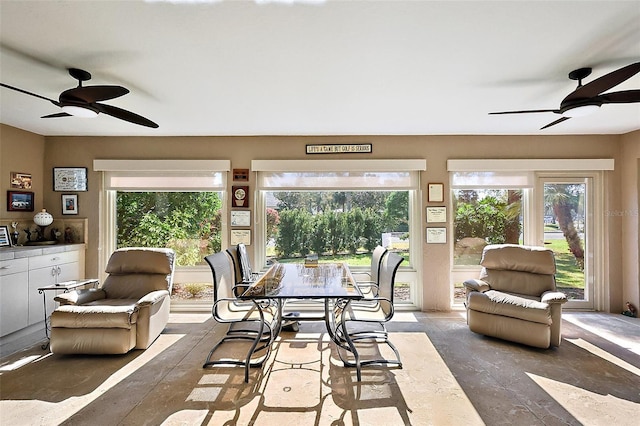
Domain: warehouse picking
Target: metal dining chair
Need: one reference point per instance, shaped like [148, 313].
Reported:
[244, 276]
[365, 320]
[369, 287]
[252, 320]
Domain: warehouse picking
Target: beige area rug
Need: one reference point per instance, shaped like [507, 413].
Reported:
[305, 383]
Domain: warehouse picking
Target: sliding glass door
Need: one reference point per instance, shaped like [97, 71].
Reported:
[565, 224]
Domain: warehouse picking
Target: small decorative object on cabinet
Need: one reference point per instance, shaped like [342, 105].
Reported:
[42, 219]
[5, 239]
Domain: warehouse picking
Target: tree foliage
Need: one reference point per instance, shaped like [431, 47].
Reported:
[346, 221]
[188, 222]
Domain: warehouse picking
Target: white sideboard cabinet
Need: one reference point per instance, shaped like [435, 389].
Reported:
[23, 270]
[14, 295]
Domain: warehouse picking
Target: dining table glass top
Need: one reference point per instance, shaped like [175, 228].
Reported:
[290, 281]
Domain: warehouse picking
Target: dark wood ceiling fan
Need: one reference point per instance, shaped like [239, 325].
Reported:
[83, 101]
[589, 97]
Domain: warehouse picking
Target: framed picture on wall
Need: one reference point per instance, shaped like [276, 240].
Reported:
[20, 180]
[70, 179]
[69, 203]
[435, 193]
[19, 201]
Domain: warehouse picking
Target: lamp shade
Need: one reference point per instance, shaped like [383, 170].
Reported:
[43, 218]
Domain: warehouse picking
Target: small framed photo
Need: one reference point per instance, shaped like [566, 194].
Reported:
[19, 201]
[69, 203]
[436, 193]
[5, 239]
[20, 180]
[70, 179]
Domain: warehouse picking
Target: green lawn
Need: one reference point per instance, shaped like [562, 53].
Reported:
[569, 273]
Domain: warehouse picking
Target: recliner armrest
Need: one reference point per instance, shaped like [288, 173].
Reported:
[553, 297]
[80, 297]
[151, 298]
[476, 285]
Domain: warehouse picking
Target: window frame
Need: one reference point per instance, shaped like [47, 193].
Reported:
[542, 169]
[189, 168]
[411, 273]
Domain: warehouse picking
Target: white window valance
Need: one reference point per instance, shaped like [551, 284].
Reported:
[163, 175]
[338, 174]
[531, 165]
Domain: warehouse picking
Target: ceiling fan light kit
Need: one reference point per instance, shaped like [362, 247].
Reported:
[82, 101]
[78, 111]
[588, 98]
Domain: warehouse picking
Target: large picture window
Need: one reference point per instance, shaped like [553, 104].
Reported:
[165, 203]
[549, 203]
[340, 212]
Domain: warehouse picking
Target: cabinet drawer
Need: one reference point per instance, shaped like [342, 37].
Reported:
[13, 266]
[53, 259]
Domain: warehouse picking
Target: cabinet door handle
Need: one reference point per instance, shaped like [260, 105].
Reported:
[53, 259]
[59, 271]
[53, 272]
[5, 267]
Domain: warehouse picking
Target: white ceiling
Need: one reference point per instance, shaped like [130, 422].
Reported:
[312, 67]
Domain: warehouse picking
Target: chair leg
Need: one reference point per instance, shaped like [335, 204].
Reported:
[258, 337]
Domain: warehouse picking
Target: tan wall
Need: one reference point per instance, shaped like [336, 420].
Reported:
[629, 218]
[81, 151]
[21, 152]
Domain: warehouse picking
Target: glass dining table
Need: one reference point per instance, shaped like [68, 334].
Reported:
[332, 283]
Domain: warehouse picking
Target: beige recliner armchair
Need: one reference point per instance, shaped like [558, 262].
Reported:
[128, 311]
[515, 298]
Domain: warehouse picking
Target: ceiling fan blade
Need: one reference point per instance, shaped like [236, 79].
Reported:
[56, 115]
[125, 115]
[91, 94]
[56, 103]
[526, 111]
[606, 82]
[622, 97]
[559, 120]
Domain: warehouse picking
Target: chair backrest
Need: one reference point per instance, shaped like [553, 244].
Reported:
[245, 263]
[220, 264]
[519, 269]
[376, 260]
[241, 264]
[388, 268]
[137, 271]
[235, 261]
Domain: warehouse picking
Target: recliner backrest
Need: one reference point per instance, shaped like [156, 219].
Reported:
[519, 269]
[135, 272]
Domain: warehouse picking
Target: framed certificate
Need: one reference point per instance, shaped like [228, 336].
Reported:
[436, 235]
[240, 218]
[436, 214]
[240, 236]
[436, 193]
[70, 179]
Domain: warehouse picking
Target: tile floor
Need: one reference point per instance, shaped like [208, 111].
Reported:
[450, 377]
